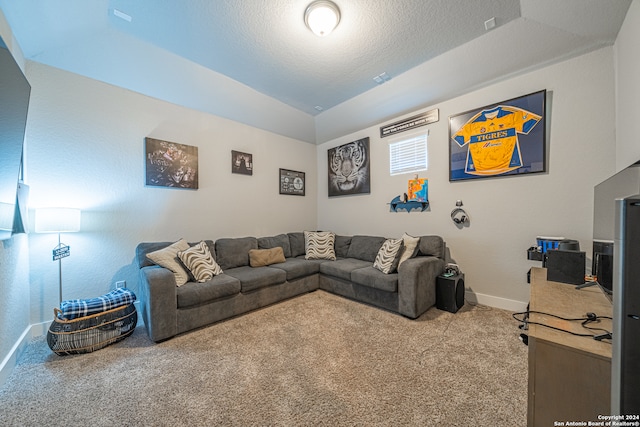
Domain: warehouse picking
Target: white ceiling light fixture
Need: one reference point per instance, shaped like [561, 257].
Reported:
[322, 16]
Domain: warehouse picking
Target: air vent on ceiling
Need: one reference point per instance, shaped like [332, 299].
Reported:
[381, 78]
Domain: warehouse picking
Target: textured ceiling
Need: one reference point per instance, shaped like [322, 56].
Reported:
[265, 45]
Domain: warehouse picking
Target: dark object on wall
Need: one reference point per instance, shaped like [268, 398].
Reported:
[625, 366]
[241, 163]
[397, 205]
[170, 164]
[566, 266]
[450, 292]
[502, 139]
[292, 182]
[349, 171]
[14, 104]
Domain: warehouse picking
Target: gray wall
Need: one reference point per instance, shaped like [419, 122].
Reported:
[506, 213]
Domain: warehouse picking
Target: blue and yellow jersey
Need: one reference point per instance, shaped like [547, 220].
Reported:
[492, 136]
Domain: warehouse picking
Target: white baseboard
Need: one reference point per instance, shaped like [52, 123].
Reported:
[11, 360]
[497, 302]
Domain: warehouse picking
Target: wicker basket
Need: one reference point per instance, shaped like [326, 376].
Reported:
[90, 333]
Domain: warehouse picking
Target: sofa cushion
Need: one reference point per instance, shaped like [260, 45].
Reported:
[374, 278]
[281, 240]
[298, 267]
[197, 293]
[342, 268]
[200, 262]
[388, 256]
[262, 257]
[256, 278]
[168, 258]
[319, 245]
[146, 247]
[296, 241]
[409, 247]
[234, 252]
[365, 247]
[432, 246]
[342, 244]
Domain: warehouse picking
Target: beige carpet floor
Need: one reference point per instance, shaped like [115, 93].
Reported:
[315, 360]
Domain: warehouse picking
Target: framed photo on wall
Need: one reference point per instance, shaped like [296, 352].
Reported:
[169, 164]
[503, 139]
[292, 182]
[241, 163]
[349, 171]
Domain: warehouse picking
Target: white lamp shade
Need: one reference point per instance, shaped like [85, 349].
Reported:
[322, 17]
[57, 220]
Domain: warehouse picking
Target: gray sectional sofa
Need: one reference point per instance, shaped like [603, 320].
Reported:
[168, 310]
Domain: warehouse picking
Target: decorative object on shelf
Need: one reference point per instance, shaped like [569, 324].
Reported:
[398, 203]
[418, 190]
[170, 164]
[292, 182]
[58, 220]
[241, 163]
[459, 215]
[503, 139]
[349, 171]
[322, 17]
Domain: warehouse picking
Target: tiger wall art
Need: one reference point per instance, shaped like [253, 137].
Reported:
[349, 168]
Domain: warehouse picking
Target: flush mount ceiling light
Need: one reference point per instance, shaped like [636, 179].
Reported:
[322, 16]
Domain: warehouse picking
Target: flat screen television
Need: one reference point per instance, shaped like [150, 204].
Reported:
[14, 103]
[622, 184]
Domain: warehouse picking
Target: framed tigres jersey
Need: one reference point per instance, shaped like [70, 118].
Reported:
[503, 139]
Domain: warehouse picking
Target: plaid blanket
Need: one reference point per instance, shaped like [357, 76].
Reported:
[72, 309]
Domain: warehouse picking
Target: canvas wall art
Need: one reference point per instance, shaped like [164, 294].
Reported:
[503, 139]
[169, 164]
[241, 163]
[292, 182]
[349, 171]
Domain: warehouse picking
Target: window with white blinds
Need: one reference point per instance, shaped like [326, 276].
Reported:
[408, 155]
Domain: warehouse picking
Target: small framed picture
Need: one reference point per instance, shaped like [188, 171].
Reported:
[241, 163]
[169, 164]
[292, 182]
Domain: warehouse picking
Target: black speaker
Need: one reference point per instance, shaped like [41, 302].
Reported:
[450, 292]
[566, 266]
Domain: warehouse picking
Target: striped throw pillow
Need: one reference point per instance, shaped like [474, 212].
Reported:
[200, 262]
[168, 258]
[319, 245]
[387, 258]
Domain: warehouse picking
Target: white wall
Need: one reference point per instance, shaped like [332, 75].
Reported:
[14, 269]
[86, 150]
[506, 213]
[628, 88]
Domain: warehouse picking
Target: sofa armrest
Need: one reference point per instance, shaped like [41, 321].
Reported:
[159, 302]
[417, 284]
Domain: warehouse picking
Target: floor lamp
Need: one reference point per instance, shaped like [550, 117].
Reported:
[58, 220]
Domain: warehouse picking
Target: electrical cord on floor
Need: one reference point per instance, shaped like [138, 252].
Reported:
[589, 318]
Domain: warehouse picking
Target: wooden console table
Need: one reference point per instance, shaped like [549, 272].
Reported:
[569, 376]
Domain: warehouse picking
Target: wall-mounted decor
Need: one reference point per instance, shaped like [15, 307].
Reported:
[423, 119]
[241, 163]
[418, 190]
[292, 182]
[503, 139]
[349, 171]
[169, 164]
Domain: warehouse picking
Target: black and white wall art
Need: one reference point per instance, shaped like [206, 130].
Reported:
[349, 171]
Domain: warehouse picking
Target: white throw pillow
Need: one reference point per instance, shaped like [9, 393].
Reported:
[387, 258]
[200, 262]
[410, 250]
[168, 258]
[319, 245]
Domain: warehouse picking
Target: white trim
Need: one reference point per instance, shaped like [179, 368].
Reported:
[497, 302]
[11, 360]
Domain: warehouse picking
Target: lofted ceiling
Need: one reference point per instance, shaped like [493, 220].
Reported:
[264, 44]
